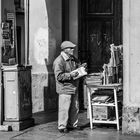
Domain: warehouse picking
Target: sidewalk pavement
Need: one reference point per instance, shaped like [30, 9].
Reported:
[46, 129]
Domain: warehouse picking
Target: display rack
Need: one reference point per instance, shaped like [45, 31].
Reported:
[90, 91]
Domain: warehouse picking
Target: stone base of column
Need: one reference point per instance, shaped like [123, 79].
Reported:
[131, 120]
[19, 125]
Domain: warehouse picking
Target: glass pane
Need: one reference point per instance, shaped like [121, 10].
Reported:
[8, 32]
[100, 39]
[100, 6]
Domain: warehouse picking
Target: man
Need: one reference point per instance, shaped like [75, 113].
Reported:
[67, 88]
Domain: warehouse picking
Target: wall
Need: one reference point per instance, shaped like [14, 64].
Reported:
[73, 22]
[131, 41]
[44, 41]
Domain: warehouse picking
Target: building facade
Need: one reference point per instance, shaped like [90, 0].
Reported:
[42, 25]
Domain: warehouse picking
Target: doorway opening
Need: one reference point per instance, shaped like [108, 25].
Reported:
[100, 30]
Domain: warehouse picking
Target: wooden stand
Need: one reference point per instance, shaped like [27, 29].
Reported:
[115, 88]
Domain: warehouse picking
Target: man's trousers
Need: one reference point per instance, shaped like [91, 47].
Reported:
[68, 110]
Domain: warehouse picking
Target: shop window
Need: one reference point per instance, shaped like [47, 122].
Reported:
[15, 32]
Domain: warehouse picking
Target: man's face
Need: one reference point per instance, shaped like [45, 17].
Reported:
[69, 51]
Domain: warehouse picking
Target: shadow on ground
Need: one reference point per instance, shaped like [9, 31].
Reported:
[45, 117]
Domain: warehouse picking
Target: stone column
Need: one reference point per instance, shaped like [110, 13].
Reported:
[131, 69]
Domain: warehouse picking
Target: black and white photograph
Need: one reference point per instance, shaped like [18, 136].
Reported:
[69, 69]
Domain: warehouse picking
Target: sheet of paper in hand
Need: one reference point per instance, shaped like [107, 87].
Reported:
[81, 72]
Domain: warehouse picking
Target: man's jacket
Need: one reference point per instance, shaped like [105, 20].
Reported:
[62, 66]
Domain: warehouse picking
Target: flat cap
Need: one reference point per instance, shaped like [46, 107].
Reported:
[67, 44]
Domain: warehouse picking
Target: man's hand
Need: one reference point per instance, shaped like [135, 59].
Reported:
[74, 74]
[84, 65]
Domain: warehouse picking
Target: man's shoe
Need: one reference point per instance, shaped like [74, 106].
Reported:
[75, 128]
[78, 128]
[65, 130]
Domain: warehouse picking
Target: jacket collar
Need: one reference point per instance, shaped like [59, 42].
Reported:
[65, 56]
